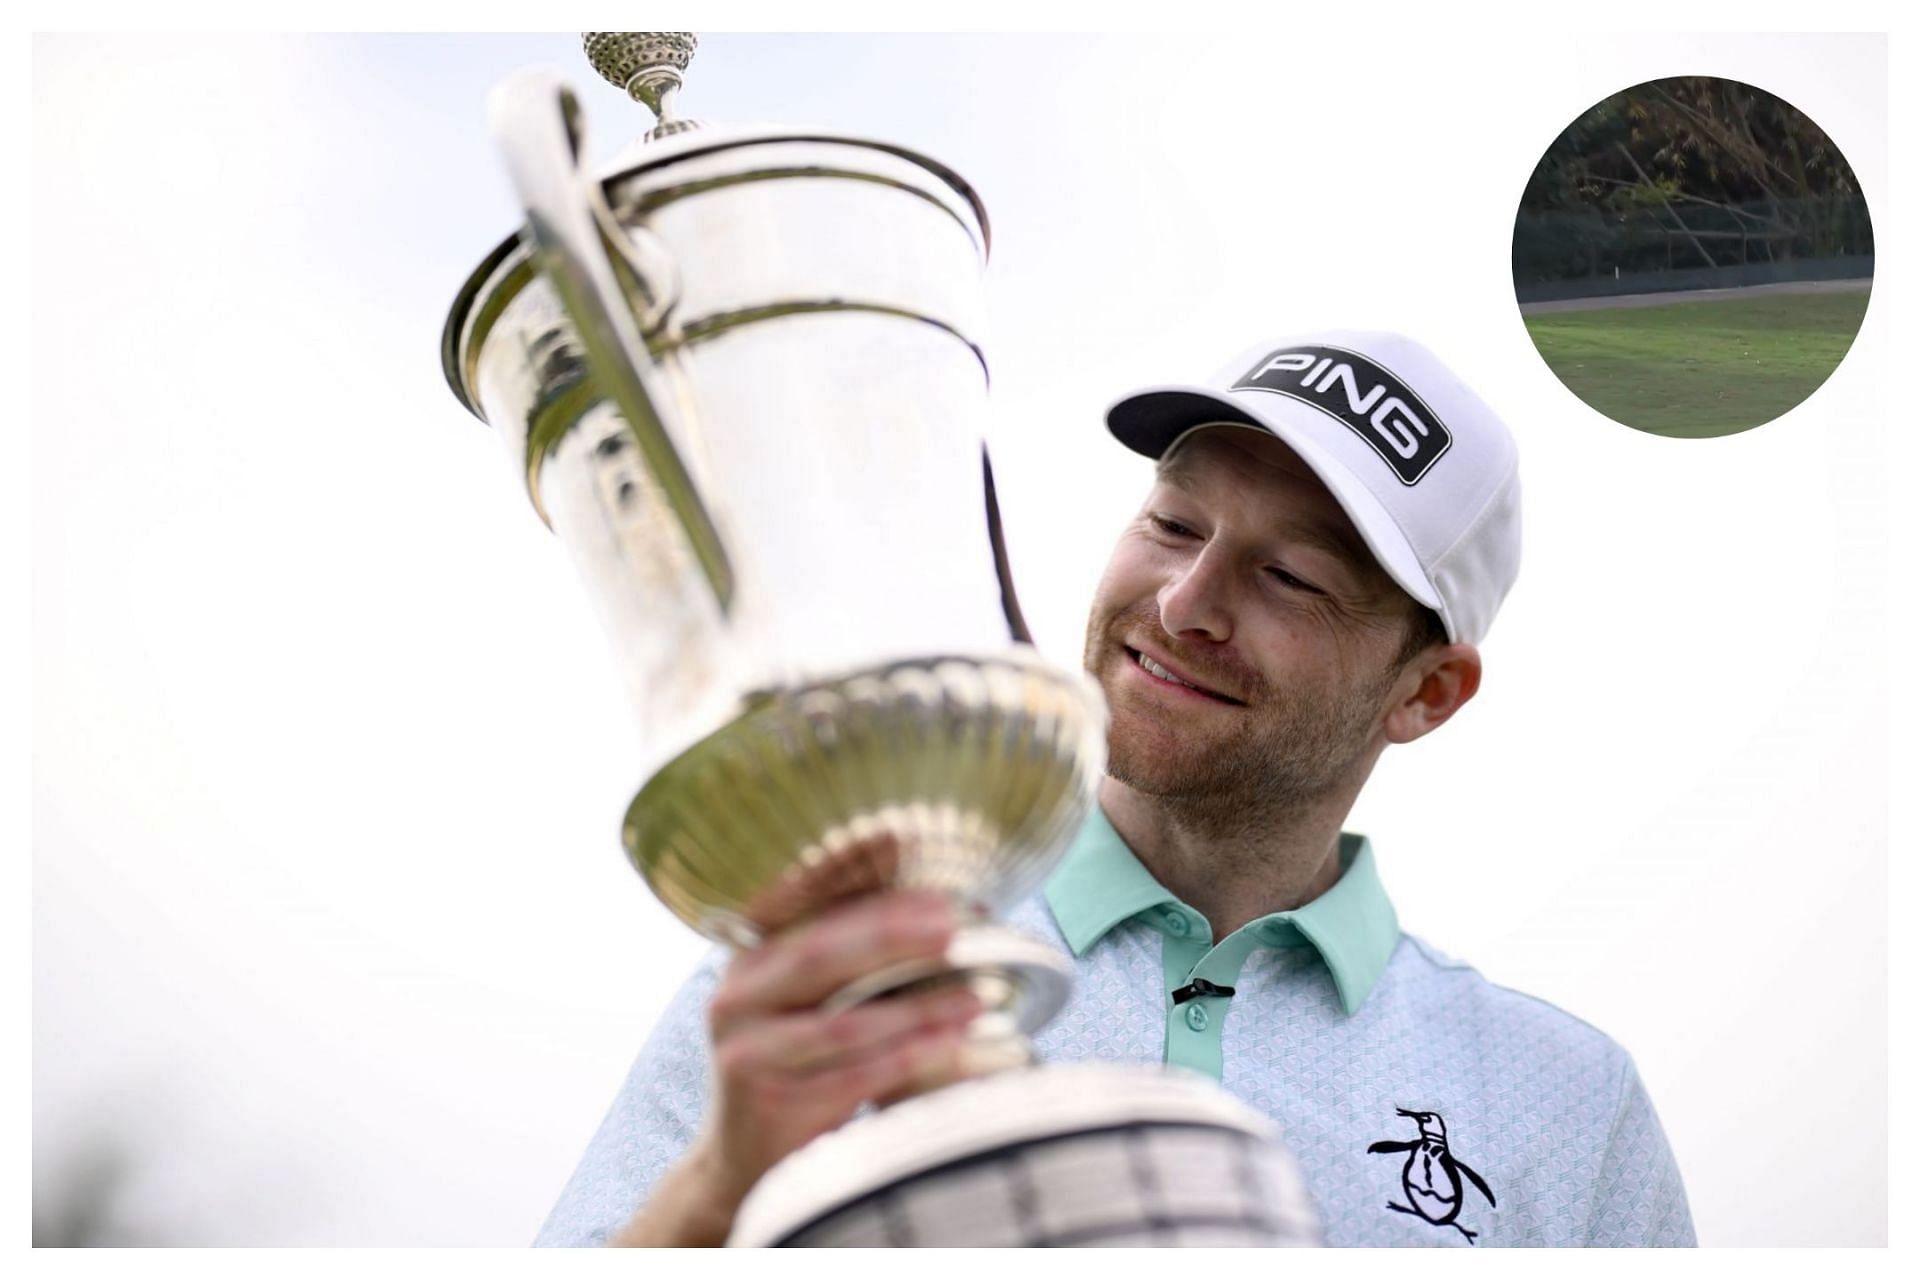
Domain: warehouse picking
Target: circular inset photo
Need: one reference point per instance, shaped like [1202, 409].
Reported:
[1692, 256]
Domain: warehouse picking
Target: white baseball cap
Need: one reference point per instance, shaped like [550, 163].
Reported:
[1427, 472]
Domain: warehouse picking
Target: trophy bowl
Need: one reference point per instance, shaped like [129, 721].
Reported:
[740, 376]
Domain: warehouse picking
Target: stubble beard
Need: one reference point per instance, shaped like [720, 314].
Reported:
[1286, 749]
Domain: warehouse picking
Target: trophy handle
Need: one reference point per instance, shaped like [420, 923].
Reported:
[1009, 600]
[616, 283]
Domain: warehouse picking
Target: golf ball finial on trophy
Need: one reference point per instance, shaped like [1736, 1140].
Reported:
[741, 377]
[647, 66]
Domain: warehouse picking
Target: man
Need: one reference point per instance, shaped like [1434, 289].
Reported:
[1333, 524]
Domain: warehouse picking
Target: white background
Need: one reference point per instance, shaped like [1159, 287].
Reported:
[332, 938]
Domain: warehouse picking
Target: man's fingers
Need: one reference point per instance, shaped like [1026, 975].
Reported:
[837, 875]
[918, 1060]
[803, 966]
[809, 1042]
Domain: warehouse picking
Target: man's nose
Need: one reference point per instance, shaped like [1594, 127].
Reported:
[1196, 601]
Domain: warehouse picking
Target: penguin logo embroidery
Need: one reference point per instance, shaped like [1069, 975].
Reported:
[1433, 1180]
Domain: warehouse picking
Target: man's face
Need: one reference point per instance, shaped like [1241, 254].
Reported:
[1241, 575]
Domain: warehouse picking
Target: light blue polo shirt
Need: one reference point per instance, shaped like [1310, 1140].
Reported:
[1426, 1105]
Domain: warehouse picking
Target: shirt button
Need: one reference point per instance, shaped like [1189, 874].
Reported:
[1176, 924]
[1196, 1017]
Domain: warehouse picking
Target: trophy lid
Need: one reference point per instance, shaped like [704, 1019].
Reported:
[650, 67]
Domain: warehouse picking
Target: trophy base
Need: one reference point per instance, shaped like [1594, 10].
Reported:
[1021, 981]
[1074, 1155]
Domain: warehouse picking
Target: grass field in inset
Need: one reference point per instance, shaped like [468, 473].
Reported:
[1700, 368]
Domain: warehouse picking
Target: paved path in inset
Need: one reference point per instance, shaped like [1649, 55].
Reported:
[1693, 295]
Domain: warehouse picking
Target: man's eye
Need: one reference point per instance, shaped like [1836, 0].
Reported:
[1299, 584]
[1171, 527]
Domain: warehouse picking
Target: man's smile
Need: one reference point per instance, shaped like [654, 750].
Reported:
[1164, 675]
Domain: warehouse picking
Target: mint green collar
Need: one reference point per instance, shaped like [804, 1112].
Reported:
[1353, 926]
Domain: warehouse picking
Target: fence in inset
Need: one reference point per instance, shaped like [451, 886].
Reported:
[1682, 243]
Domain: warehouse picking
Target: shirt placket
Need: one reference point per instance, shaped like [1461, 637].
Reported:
[1188, 954]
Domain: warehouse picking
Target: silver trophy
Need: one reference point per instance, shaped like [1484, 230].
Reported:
[740, 373]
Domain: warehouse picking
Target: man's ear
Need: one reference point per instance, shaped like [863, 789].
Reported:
[1435, 685]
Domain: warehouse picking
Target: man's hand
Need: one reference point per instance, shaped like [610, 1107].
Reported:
[785, 1072]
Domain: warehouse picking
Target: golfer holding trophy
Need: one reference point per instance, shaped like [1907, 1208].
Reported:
[742, 379]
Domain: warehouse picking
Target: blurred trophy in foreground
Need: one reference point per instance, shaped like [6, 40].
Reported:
[740, 374]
